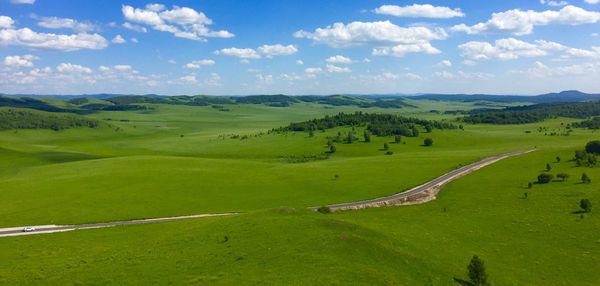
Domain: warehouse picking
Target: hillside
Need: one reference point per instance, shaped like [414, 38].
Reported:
[20, 118]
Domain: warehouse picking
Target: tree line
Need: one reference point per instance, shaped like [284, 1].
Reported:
[533, 113]
[13, 118]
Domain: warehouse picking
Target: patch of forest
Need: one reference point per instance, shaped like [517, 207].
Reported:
[17, 118]
[377, 124]
[534, 113]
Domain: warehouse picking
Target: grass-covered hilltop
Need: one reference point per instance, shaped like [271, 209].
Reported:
[530, 219]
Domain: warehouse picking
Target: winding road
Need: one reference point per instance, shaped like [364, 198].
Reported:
[16, 231]
[425, 192]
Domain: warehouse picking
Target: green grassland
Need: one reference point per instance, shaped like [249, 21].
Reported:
[177, 160]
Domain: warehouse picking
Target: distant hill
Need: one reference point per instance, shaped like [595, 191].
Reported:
[564, 96]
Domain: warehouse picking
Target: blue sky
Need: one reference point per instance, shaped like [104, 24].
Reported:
[235, 47]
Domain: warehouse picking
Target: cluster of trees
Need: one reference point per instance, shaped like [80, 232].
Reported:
[376, 124]
[15, 118]
[593, 123]
[534, 113]
[587, 157]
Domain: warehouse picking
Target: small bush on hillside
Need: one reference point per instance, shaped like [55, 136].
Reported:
[427, 142]
[585, 205]
[544, 178]
[324, 210]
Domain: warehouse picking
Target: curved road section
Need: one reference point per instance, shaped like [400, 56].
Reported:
[15, 231]
[426, 192]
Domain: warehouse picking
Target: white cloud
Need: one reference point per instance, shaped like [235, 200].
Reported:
[403, 49]
[246, 53]
[338, 59]
[264, 79]
[134, 27]
[340, 35]
[28, 38]
[299, 62]
[554, 3]
[366, 60]
[540, 70]
[6, 22]
[389, 77]
[592, 2]
[313, 70]
[445, 63]
[190, 79]
[134, 40]
[463, 75]
[420, 11]
[73, 68]
[198, 64]
[118, 39]
[22, 1]
[182, 22]
[510, 48]
[214, 80]
[277, 50]
[335, 69]
[65, 23]
[20, 61]
[122, 68]
[519, 22]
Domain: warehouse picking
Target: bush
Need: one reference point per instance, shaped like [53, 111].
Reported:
[324, 210]
[593, 147]
[427, 142]
[585, 205]
[389, 153]
[544, 178]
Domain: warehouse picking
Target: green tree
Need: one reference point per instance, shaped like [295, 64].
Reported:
[386, 146]
[367, 136]
[563, 176]
[585, 205]
[311, 133]
[593, 147]
[427, 142]
[428, 128]
[548, 168]
[544, 178]
[350, 138]
[529, 185]
[397, 139]
[557, 159]
[585, 178]
[476, 272]
[332, 149]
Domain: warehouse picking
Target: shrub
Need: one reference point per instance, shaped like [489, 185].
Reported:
[324, 210]
[544, 178]
[593, 147]
[428, 142]
[585, 205]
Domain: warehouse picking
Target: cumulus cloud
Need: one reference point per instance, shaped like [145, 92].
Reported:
[182, 22]
[246, 53]
[28, 38]
[554, 3]
[20, 61]
[277, 50]
[335, 69]
[592, 2]
[6, 22]
[313, 70]
[341, 35]
[134, 27]
[22, 1]
[214, 80]
[463, 75]
[268, 51]
[420, 11]
[299, 62]
[540, 70]
[118, 39]
[338, 59]
[511, 48]
[445, 63]
[403, 49]
[198, 64]
[519, 22]
[65, 23]
[73, 68]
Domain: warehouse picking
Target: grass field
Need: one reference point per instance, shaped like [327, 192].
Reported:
[178, 160]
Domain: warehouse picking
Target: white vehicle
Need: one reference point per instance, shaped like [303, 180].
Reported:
[28, 229]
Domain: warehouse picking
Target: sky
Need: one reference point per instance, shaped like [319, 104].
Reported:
[240, 47]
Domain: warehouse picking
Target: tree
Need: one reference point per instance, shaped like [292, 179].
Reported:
[548, 167]
[415, 131]
[397, 139]
[311, 133]
[476, 272]
[544, 178]
[593, 147]
[367, 136]
[529, 185]
[386, 146]
[428, 128]
[324, 210]
[557, 159]
[427, 142]
[585, 178]
[585, 205]
[332, 149]
[350, 138]
[563, 176]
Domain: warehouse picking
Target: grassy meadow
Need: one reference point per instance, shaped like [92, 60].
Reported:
[180, 160]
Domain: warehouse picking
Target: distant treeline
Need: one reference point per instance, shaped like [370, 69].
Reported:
[534, 113]
[593, 123]
[377, 124]
[78, 105]
[16, 118]
[277, 100]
